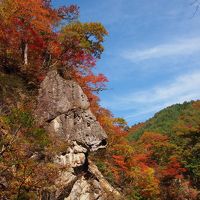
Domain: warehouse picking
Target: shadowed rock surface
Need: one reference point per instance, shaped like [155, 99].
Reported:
[64, 110]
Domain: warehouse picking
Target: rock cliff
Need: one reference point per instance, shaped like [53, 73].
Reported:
[64, 110]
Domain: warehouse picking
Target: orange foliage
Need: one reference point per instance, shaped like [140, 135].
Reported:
[174, 169]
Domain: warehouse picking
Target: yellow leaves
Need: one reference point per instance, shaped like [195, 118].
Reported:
[153, 138]
[123, 149]
[88, 36]
[144, 179]
[23, 168]
[6, 5]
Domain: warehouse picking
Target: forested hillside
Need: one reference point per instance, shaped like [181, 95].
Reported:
[165, 120]
[180, 125]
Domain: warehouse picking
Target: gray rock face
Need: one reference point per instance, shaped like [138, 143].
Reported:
[64, 107]
[81, 126]
[57, 96]
[64, 110]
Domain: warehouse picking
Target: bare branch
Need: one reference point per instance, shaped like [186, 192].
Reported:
[196, 4]
[6, 147]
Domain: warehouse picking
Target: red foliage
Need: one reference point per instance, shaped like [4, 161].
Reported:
[119, 160]
[174, 169]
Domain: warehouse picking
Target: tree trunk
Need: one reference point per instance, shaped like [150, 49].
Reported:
[26, 54]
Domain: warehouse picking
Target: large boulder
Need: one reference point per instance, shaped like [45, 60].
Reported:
[64, 110]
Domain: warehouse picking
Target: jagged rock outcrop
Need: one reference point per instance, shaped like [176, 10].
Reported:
[64, 110]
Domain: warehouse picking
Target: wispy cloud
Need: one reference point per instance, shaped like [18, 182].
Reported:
[185, 46]
[183, 88]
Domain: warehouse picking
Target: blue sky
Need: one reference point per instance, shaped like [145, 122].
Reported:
[152, 53]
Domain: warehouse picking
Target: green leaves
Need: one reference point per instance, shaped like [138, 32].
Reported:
[39, 137]
[19, 118]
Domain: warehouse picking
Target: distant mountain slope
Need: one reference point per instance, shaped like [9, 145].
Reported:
[181, 123]
[165, 120]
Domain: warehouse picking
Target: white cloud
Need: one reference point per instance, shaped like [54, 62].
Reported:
[176, 48]
[184, 88]
[186, 85]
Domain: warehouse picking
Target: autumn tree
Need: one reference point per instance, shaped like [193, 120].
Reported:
[27, 32]
[26, 153]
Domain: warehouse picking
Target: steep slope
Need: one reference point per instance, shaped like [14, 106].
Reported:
[181, 124]
[55, 142]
